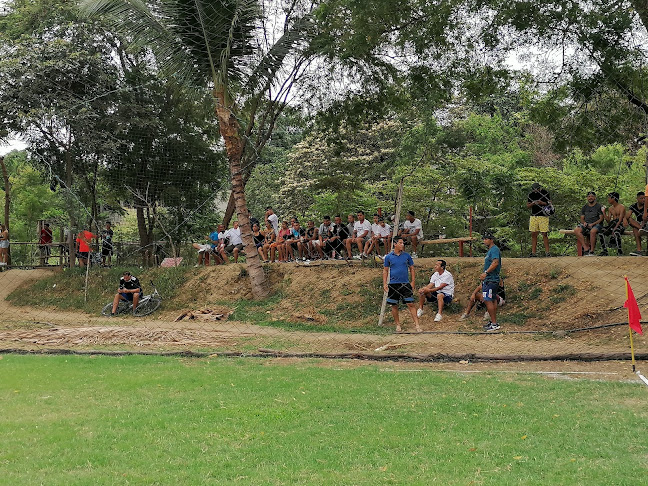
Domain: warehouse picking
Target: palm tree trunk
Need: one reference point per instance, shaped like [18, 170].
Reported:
[230, 130]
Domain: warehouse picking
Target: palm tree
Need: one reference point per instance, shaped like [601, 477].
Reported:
[220, 44]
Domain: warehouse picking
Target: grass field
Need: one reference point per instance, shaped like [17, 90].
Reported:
[153, 420]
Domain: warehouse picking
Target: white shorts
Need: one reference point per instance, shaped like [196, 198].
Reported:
[204, 248]
[316, 242]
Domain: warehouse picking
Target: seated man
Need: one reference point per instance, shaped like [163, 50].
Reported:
[296, 242]
[477, 300]
[311, 240]
[129, 290]
[380, 235]
[361, 236]
[324, 246]
[591, 219]
[206, 249]
[615, 216]
[340, 235]
[637, 224]
[440, 290]
[412, 231]
[235, 245]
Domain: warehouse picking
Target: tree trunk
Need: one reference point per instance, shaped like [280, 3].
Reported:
[231, 132]
[231, 206]
[144, 235]
[7, 188]
[68, 183]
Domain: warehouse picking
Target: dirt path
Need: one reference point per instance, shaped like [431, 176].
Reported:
[34, 328]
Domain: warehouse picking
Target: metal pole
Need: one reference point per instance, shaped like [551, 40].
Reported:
[399, 201]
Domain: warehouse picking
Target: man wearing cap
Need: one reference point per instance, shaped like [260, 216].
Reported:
[591, 223]
[637, 224]
[412, 231]
[490, 280]
[615, 216]
[537, 200]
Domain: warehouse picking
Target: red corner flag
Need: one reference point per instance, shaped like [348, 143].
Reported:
[634, 316]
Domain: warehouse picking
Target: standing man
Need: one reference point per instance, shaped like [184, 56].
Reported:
[107, 247]
[412, 231]
[637, 224]
[396, 267]
[439, 290]
[591, 219]
[271, 217]
[490, 280]
[83, 240]
[45, 243]
[537, 200]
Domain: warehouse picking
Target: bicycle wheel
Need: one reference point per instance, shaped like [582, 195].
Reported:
[147, 306]
[123, 306]
[107, 309]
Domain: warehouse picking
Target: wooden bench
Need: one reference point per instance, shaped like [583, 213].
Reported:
[579, 247]
[442, 241]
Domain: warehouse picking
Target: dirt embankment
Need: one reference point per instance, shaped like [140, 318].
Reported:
[543, 294]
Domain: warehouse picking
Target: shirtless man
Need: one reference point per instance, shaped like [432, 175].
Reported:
[615, 216]
[638, 223]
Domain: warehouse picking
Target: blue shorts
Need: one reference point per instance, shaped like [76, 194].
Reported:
[447, 299]
[489, 291]
[128, 296]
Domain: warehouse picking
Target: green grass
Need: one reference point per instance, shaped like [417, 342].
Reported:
[149, 420]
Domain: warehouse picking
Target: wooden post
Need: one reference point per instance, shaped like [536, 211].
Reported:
[399, 201]
[470, 221]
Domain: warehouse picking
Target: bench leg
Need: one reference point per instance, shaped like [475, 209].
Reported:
[461, 251]
[579, 248]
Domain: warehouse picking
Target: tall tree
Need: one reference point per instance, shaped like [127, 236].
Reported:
[223, 45]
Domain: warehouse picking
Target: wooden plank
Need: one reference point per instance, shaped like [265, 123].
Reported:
[447, 240]
[571, 232]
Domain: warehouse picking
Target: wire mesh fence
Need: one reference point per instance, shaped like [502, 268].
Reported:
[267, 217]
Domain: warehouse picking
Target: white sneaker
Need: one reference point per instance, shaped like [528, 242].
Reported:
[381, 257]
[438, 317]
[419, 313]
[414, 255]
[357, 257]
[463, 317]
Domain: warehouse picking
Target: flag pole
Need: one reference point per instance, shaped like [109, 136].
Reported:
[629, 328]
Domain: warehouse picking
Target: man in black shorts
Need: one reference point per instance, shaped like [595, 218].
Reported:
[615, 216]
[638, 224]
[129, 290]
[396, 267]
[107, 247]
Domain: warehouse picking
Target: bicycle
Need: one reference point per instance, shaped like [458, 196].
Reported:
[147, 305]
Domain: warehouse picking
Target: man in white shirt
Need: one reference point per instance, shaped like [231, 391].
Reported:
[235, 245]
[412, 231]
[380, 235]
[361, 235]
[440, 289]
[272, 218]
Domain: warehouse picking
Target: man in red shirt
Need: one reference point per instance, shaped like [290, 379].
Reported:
[83, 241]
[45, 243]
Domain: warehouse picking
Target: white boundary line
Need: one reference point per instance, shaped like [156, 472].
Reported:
[643, 378]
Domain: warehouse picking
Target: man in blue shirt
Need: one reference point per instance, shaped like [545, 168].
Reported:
[204, 250]
[490, 280]
[396, 267]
